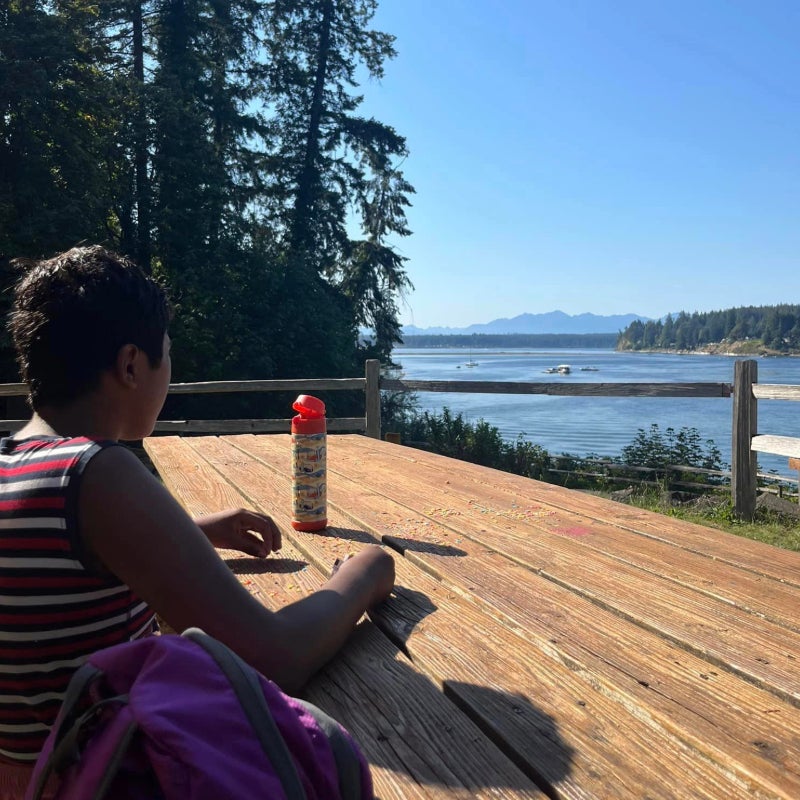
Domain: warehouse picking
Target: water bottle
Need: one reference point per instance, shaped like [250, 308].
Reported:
[309, 445]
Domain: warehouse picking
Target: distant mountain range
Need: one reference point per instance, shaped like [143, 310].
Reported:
[551, 322]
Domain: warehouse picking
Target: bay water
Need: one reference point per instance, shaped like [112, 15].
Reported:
[600, 425]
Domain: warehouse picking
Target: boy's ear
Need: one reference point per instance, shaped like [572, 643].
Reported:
[126, 367]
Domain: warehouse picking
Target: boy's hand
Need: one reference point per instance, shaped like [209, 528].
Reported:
[372, 564]
[238, 529]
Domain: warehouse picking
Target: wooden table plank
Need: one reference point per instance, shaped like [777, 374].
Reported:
[761, 651]
[763, 559]
[726, 719]
[607, 740]
[758, 594]
[413, 737]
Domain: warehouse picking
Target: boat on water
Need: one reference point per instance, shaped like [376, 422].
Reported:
[589, 369]
[561, 369]
[471, 363]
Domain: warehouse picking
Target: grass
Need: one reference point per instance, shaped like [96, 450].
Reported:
[716, 511]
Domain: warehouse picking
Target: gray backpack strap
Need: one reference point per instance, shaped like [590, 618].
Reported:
[248, 691]
[348, 764]
[70, 727]
[114, 763]
[68, 714]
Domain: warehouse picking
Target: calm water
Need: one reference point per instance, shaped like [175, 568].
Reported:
[600, 425]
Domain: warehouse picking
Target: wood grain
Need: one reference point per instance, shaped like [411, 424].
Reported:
[492, 668]
[556, 388]
[411, 734]
[779, 445]
[729, 720]
[763, 559]
[761, 651]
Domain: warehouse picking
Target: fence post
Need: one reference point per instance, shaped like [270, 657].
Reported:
[372, 389]
[745, 426]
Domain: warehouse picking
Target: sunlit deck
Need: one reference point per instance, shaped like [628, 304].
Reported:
[540, 641]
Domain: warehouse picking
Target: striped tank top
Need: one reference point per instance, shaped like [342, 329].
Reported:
[55, 610]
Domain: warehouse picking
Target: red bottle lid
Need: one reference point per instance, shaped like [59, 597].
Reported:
[309, 406]
[311, 416]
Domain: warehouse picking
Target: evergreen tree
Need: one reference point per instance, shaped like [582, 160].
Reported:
[54, 128]
[326, 161]
[217, 142]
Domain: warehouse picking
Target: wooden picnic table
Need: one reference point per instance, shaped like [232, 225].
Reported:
[540, 642]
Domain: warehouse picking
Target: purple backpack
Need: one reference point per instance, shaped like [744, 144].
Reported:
[184, 717]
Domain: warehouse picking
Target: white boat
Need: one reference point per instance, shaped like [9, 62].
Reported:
[471, 363]
[563, 369]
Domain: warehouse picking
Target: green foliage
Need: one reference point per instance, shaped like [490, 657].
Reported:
[652, 448]
[478, 442]
[776, 328]
[330, 166]
[480, 340]
[716, 511]
[219, 143]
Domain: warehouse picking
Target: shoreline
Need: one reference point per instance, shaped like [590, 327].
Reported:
[739, 349]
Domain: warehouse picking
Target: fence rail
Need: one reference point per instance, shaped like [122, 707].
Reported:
[745, 391]
[565, 389]
[369, 424]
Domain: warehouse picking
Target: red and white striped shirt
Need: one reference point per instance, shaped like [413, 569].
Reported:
[55, 610]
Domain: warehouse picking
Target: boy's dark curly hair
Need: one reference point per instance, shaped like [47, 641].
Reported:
[71, 315]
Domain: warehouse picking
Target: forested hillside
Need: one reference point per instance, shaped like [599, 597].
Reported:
[776, 328]
[480, 340]
[221, 145]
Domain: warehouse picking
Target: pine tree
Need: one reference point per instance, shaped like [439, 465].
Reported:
[327, 161]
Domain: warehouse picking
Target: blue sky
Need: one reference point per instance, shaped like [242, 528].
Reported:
[604, 156]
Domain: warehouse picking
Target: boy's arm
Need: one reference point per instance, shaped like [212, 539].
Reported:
[138, 531]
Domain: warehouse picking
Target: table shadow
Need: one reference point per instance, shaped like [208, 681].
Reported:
[449, 752]
[538, 748]
[398, 616]
[401, 544]
[348, 534]
[247, 565]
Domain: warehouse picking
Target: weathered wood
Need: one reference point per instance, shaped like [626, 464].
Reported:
[779, 445]
[745, 427]
[717, 546]
[13, 389]
[372, 378]
[544, 713]
[775, 391]
[212, 426]
[415, 739]
[564, 389]
[714, 734]
[290, 385]
[12, 425]
[723, 616]
[704, 706]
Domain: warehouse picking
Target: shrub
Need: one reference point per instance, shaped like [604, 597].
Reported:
[478, 442]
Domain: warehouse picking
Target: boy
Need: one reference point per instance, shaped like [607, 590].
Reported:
[91, 544]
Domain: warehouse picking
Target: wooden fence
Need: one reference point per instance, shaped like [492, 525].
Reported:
[747, 441]
[369, 424]
[745, 392]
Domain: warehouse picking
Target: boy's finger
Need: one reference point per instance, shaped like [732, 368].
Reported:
[253, 545]
[266, 526]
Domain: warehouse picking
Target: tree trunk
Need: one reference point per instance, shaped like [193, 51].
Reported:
[141, 153]
[308, 181]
